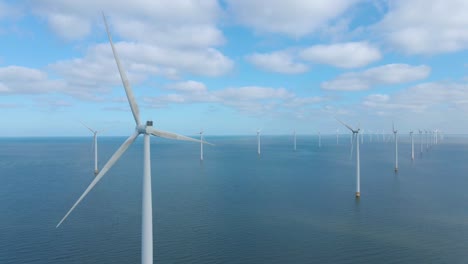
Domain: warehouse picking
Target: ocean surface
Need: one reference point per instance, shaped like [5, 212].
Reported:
[285, 206]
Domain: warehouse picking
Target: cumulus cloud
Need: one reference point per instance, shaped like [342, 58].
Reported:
[342, 55]
[426, 26]
[23, 80]
[382, 75]
[249, 99]
[279, 61]
[295, 18]
[422, 98]
[73, 19]
[293, 60]
[168, 37]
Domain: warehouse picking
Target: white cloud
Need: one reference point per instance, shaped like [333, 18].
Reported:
[382, 75]
[295, 18]
[342, 55]
[166, 37]
[427, 101]
[279, 61]
[188, 86]
[249, 99]
[189, 22]
[426, 26]
[22, 80]
[96, 72]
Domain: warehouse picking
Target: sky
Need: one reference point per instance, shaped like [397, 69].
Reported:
[234, 66]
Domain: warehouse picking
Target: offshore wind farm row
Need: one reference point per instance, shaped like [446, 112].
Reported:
[146, 129]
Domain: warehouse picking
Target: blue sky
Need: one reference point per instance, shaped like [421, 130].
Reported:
[233, 66]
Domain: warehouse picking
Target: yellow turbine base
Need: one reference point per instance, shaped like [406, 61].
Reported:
[358, 194]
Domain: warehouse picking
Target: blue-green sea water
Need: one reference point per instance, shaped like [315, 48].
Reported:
[282, 207]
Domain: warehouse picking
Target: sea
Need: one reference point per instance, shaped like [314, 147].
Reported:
[283, 206]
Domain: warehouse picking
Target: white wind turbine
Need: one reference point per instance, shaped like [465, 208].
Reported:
[147, 130]
[421, 139]
[358, 168]
[258, 141]
[201, 144]
[337, 136]
[95, 147]
[412, 145]
[396, 146]
[294, 139]
[427, 140]
[319, 140]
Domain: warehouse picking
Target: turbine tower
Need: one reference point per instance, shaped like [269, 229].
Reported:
[95, 147]
[201, 144]
[147, 130]
[319, 140]
[421, 140]
[358, 168]
[258, 141]
[337, 136]
[294, 139]
[396, 146]
[412, 145]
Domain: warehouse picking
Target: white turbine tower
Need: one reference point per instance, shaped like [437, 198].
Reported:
[396, 146]
[201, 144]
[147, 130]
[427, 140]
[95, 147]
[337, 136]
[319, 140]
[294, 139]
[421, 140]
[412, 145]
[358, 168]
[258, 141]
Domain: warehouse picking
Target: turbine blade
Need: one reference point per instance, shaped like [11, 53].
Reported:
[92, 131]
[352, 146]
[103, 171]
[128, 89]
[350, 128]
[169, 135]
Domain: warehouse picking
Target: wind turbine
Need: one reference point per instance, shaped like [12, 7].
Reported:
[421, 139]
[258, 141]
[412, 145]
[319, 140]
[201, 144]
[396, 146]
[337, 136]
[427, 140]
[147, 130]
[294, 139]
[358, 168]
[95, 132]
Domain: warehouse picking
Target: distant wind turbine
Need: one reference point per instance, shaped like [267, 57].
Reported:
[95, 146]
[147, 130]
[412, 145]
[337, 136]
[396, 146]
[201, 144]
[258, 141]
[421, 140]
[294, 139]
[319, 140]
[427, 140]
[358, 168]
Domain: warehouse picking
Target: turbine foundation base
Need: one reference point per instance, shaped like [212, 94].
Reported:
[96, 172]
[358, 194]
